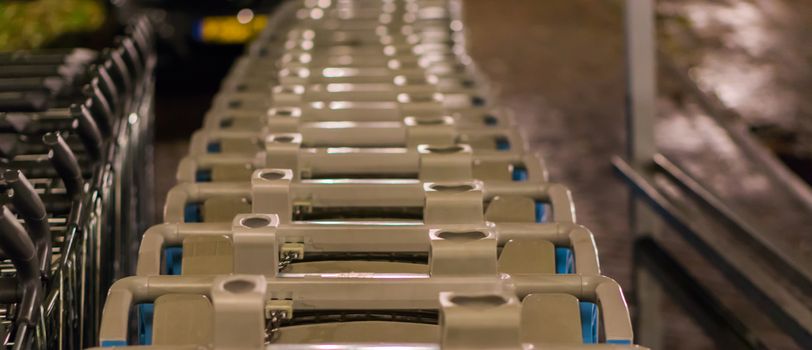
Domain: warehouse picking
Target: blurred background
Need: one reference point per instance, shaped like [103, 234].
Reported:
[725, 259]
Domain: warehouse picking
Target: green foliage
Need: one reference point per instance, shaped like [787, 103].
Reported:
[32, 24]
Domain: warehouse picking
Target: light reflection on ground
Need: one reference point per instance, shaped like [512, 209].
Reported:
[752, 56]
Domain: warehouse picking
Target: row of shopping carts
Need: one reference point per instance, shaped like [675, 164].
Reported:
[355, 186]
[73, 125]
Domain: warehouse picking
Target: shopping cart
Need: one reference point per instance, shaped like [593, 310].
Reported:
[355, 182]
[63, 159]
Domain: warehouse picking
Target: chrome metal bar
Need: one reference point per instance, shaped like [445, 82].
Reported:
[641, 109]
[799, 274]
[721, 326]
[791, 314]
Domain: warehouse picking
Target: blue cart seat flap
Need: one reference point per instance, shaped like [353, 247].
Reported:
[564, 260]
[541, 212]
[589, 322]
[113, 343]
[197, 30]
[174, 258]
[203, 175]
[519, 174]
[144, 316]
[502, 144]
[213, 147]
[619, 341]
[192, 213]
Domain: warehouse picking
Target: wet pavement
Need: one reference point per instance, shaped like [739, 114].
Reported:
[749, 59]
[560, 67]
[750, 55]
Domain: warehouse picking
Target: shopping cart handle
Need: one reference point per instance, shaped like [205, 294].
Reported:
[72, 56]
[30, 207]
[598, 289]
[561, 200]
[52, 84]
[24, 101]
[118, 70]
[65, 163]
[22, 70]
[17, 245]
[99, 107]
[130, 56]
[108, 88]
[88, 130]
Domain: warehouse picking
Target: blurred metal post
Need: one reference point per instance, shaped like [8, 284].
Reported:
[641, 70]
